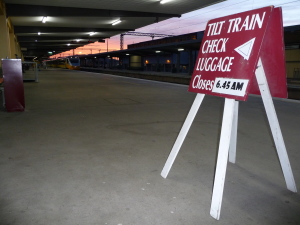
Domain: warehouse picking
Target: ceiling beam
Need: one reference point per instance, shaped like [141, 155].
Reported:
[50, 44]
[36, 29]
[40, 10]
[63, 38]
[56, 48]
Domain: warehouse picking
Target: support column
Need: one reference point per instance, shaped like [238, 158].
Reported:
[165, 62]
[4, 35]
[157, 63]
[191, 65]
[18, 49]
[13, 51]
[12, 41]
[178, 62]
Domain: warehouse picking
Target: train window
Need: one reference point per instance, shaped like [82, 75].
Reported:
[74, 60]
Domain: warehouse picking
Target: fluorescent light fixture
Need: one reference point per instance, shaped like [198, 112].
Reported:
[44, 20]
[39, 33]
[77, 40]
[92, 33]
[116, 22]
[181, 49]
[164, 1]
[157, 51]
[68, 44]
[127, 54]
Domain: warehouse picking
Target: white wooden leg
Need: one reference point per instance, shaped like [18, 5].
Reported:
[182, 134]
[222, 158]
[275, 128]
[233, 141]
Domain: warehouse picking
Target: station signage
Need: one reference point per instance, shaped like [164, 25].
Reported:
[229, 53]
[240, 54]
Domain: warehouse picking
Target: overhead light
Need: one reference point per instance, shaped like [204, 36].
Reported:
[164, 1]
[127, 54]
[68, 44]
[157, 51]
[44, 20]
[77, 40]
[116, 22]
[181, 49]
[92, 33]
[39, 33]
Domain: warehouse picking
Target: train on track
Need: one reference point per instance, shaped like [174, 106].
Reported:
[71, 62]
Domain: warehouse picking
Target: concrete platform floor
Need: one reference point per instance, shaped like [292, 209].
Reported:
[89, 150]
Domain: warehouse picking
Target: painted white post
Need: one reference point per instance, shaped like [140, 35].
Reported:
[224, 145]
[182, 134]
[232, 149]
[275, 128]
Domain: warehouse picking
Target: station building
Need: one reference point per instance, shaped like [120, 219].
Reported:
[178, 54]
[90, 146]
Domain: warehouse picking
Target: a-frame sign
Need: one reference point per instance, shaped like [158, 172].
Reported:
[240, 54]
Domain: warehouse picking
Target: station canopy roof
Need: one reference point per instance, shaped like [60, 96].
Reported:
[70, 22]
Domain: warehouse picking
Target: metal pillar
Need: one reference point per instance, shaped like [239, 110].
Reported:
[178, 62]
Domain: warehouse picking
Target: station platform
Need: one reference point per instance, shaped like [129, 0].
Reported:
[179, 78]
[89, 149]
[293, 85]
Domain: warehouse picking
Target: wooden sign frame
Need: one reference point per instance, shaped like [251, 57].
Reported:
[228, 137]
